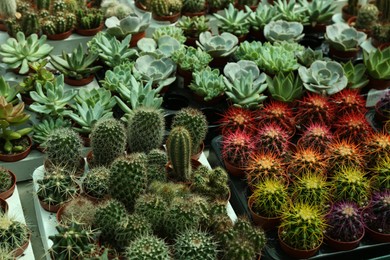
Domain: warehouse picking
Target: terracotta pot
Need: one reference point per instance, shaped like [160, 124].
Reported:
[19, 251]
[3, 27]
[344, 13]
[319, 28]
[202, 13]
[140, 6]
[17, 71]
[219, 62]
[27, 99]
[8, 193]
[216, 100]
[266, 223]
[3, 206]
[89, 32]
[258, 35]
[384, 46]
[341, 245]
[171, 18]
[191, 41]
[352, 22]
[377, 236]
[297, 253]
[79, 82]
[234, 170]
[379, 84]
[48, 207]
[17, 156]
[135, 38]
[60, 36]
[199, 153]
[59, 213]
[343, 55]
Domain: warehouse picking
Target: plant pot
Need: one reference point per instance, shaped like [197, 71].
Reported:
[3, 27]
[17, 156]
[343, 55]
[379, 84]
[213, 115]
[379, 116]
[59, 36]
[26, 98]
[48, 207]
[79, 82]
[219, 62]
[191, 41]
[8, 193]
[319, 28]
[341, 245]
[89, 32]
[258, 35]
[297, 253]
[135, 38]
[3, 206]
[352, 23]
[174, 101]
[170, 18]
[216, 100]
[384, 46]
[201, 13]
[19, 251]
[186, 75]
[140, 6]
[234, 170]
[311, 41]
[266, 223]
[344, 13]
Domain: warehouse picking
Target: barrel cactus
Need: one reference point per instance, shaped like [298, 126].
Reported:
[193, 244]
[193, 6]
[148, 247]
[5, 179]
[13, 234]
[367, 16]
[95, 184]
[157, 160]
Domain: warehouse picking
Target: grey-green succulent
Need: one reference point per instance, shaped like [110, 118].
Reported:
[129, 25]
[356, 75]
[221, 45]
[343, 37]
[191, 59]
[263, 15]
[281, 30]
[248, 51]
[319, 11]
[285, 87]
[307, 56]
[92, 96]
[8, 92]
[173, 31]
[378, 63]
[233, 21]
[164, 47]
[207, 83]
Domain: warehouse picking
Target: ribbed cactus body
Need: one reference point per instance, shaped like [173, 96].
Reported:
[43, 4]
[195, 122]
[5, 180]
[96, 182]
[367, 16]
[384, 7]
[7, 8]
[179, 153]
[128, 178]
[148, 247]
[152, 207]
[13, 234]
[160, 7]
[157, 160]
[194, 244]
[175, 6]
[145, 130]
[30, 23]
[59, 6]
[108, 141]
[194, 6]
[48, 27]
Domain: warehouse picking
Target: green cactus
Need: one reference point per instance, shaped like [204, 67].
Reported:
[72, 213]
[30, 23]
[145, 129]
[367, 16]
[62, 21]
[211, 183]
[5, 180]
[89, 18]
[43, 13]
[175, 6]
[96, 182]
[195, 244]
[59, 6]
[311, 189]
[13, 27]
[8, 8]
[63, 148]
[194, 6]
[43, 4]
[23, 6]
[165, 7]
[108, 141]
[48, 27]
[128, 178]
[195, 122]
[381, 32]
[152, 207]
[157, 160]
[381, 173]
[72, 242]
[219, 4]
[169, 190]
[148, 247]
[13, 234]
[179, 153]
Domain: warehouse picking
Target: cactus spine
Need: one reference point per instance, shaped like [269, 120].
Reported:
[30, 23]
[8, 8]
[157, 160]
[5, 180]
[179, 152]
[96, 182]
[13, 234]
[145, 129]
[367, 16]
[194, 244]
[108, 141]
[43, 4]
[193, 6]
[148, 247]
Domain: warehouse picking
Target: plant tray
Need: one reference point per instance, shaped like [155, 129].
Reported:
[367, 249]
[47, 221]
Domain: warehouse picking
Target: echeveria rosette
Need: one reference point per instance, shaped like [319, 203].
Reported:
[219, 45]
[129, 25]
[323, 77]
[281, 30]
[160, 71]
[378, 63]
[236, 70]
[343, 37]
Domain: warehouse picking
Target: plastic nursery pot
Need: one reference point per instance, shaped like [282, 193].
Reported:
[89, 32]
[17, 156]
[59, 36]
[140, 6]
[233, 169]
[79, 82]
[48, 207]
[185, 74]
[3, 206]
[199, 153]
[343, 55]
[135, 38]
[8, 193]
[379, 84]
[174, 101]
[170, 18]
[311, 41]
[265, 222]
[296, 253]
[341, 245]
[213, 115]
[377, 236]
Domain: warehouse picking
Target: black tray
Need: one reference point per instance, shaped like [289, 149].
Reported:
[367, 249]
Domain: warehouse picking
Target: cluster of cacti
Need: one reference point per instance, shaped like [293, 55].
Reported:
[63, 148]
[157, 161]
[377, 215]
[219, 4]
[8, 8]
[148, 247]
[381, 32]
[367, 16]
[108, 141]
[344, 222]
[72, 242]
[152, 207]
[343, 153]
[165, 7]
[28, 23]
[238, 118]
[195, 122]
[89, 18]
[311, 189]
[128, 171]
[272, 138]
[59, 6]
[13, 234]
[279, 113]
[195, 244]
[306, 160]
[5, 179]
[193, 6]
[44, 4]
[145, 130]
[58, 23]
[238, 147]
[377, 146]
[316, 136]
[212, 183]
[353, 126]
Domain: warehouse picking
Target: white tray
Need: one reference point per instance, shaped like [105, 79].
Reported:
[15, 210]
[47, 221]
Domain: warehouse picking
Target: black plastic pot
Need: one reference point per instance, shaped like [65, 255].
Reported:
[174, 101]
[213, 115]
[311, 41]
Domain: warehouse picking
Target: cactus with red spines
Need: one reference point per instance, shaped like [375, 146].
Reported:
[306, 160]
[353, 126]
[237, 118]
[279, 113]
[377, 216]
[273, 138]
[237, 147]
[349, 101]
[264, 165]
[314, 108]
[345, 222]
[377, 146]
[345, 153]
[317, 136]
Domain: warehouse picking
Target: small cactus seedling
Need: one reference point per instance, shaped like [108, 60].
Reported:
[148, 247]
[96, 183]
[316, 136]
[5, 180]
[344, 153]
[194, 244]
[351, 183]
[353, 126]
[13, 234]
[279, 113]
[311, 189]
[377, 146]
[314, 108]
[306, 160]
[269, 198]
[238, 147]
[381, 174]
[72, 213]
[272, 138]
[262, 166]
[377, 215]
[238, 118]
[349, 101]
[344, 222]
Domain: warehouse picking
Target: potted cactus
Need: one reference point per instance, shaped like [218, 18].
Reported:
[165, 10]
[216, 5]
[311, 189]
[89, 21]
[58, 26]
[195, 244]
[212, 183]
[7, 9]
[96, 183]
[193, 8]
[366, 18]
[7, 183]
[14, 235]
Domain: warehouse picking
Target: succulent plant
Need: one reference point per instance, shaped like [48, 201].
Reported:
[112, 8]
[286, 88]
[312, 189]
[269, 197]
[306, 160]
[212, 183]
[41, 75]
[159, 71]
[5, 180]
[367, 16]
[96, 182]
[281, 30]
[341, 36]
[125, 172]
[63, 148]
[164, 47]
[192, 6]
[248, 51]
[6, 253]
[318, 12]
[233, 21]
[237, 147]
[377, 215]
[353, 126]
[356, 75]
[263, 15]
[129, 25]
[13, 234]
[381, 174]
[9, 93]
[23, 50]
[349, 101]
[145, 129]
[307, 56]
[94, 96]
[193, 26]
[172, 31]
[42, 130]
[291, 11]
[316, 136]
[345, 153]
[71, 212]
[344, 222]
[28, 23]
[381, 32]
[148, 247]
[314, 108]
[302, 226]
[195, 244]
[377, 63]
[331, 81]
[237, 118]
[207, 83]
[191, 59]
[352, 184]
[221, 45]
[272, 138]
